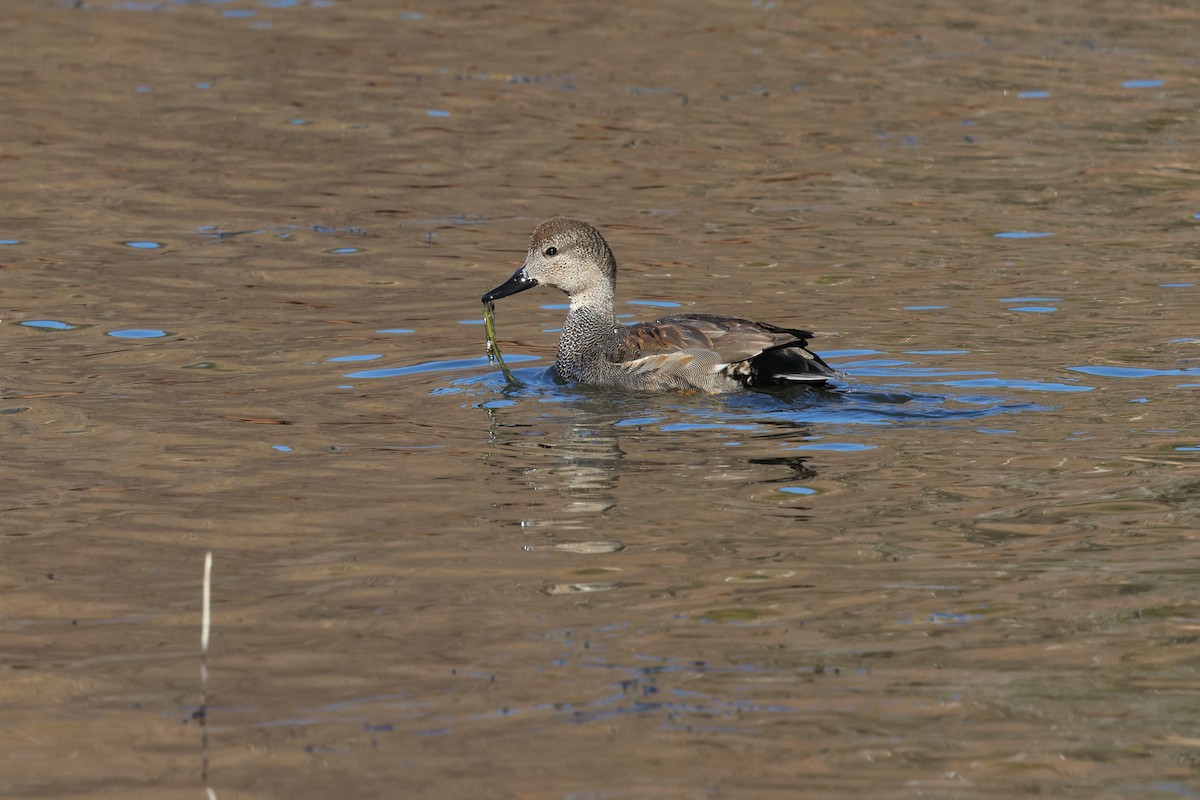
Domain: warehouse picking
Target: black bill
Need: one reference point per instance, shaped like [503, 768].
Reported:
[519, 282]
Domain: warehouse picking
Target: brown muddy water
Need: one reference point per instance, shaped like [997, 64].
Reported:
[244, 245]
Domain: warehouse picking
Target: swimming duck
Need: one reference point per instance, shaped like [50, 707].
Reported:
[685, 352]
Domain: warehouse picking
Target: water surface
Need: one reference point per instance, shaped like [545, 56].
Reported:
[245, 248]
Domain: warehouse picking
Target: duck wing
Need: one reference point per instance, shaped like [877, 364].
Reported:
[773, 354]
[731, 338]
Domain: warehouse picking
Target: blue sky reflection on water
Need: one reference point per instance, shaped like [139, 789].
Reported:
[904, 397]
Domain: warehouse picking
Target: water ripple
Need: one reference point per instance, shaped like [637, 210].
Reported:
[434, 366]
[1133, 372]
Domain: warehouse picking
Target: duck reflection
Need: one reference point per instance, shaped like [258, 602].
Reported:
[584, 455]
[797, 468]
[575, 460]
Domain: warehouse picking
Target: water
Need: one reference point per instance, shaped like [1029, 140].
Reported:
[242, 281]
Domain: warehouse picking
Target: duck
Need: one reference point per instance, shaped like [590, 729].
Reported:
[695, 353]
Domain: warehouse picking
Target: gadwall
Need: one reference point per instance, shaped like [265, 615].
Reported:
[686, 352]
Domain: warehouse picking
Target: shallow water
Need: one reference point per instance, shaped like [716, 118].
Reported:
[242, 252]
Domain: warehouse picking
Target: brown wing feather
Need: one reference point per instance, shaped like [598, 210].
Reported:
[731, 338]
[675, 361]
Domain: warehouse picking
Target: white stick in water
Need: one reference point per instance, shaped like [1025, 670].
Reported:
[206, 614]
[205, 624]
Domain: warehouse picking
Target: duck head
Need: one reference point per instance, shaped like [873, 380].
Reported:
[569, 255]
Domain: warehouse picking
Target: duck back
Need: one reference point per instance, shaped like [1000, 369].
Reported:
[750, 353]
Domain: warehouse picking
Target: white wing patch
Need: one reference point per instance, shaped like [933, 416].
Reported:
[810, 377]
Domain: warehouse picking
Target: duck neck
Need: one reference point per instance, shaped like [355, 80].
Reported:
[597, 298]
[589, 335]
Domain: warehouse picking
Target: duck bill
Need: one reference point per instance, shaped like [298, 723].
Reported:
[519, 282]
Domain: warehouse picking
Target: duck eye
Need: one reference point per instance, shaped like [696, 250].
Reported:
[551, 251]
